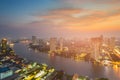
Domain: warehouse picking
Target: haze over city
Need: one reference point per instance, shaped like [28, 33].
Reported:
[65, 18]
[59, 40]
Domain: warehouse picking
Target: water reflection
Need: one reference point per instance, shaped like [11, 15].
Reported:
[69, 65]
[116, 70]
[97, 70]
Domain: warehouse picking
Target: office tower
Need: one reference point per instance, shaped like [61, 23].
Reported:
[61, 43]
[53, 44]
[112, 43]
[34, 40]
[96, 44]
[3, 45]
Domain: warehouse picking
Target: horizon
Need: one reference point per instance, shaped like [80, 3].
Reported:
[63, 18]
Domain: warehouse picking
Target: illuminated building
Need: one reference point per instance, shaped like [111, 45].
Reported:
[5, 47]
[11, 45]
[34, 40]
[61, 44]
[53, 44]
[5, 72]
[96, 44]
[112, 43]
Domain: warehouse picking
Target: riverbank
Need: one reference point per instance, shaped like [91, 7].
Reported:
[68, 65]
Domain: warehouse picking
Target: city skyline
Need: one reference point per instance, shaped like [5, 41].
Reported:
[65, 18]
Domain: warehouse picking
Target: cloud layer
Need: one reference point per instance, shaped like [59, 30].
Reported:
[55, 17]
[78, 19]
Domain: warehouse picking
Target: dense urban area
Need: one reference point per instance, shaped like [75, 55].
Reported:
[96, 50]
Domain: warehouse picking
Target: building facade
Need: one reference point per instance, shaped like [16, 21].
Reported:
[53, 44]
[5, 72]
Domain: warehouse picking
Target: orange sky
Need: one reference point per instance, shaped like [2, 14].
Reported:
[63, 17]
[81, 19]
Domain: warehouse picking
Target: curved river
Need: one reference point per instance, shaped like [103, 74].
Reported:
[68, 65]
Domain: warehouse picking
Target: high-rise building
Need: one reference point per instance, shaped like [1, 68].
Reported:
[53, 44]
[61, 43]
[5, 47]
[96, 44]
[112, 43]
[34, 40]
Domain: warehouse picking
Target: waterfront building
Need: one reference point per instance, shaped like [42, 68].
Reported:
[112, 43]
[96, 44]
[11, 45]
[5, 47]
[61, 43]
[34, 40]
[53, 44]
[5, 72]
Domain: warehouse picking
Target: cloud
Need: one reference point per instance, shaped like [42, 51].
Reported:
[74, 1]
[57, 16]
[107, 1]
[92, 1]
[79, 20]
[70, 16]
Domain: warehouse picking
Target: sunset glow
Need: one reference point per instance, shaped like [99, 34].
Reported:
[61, 16]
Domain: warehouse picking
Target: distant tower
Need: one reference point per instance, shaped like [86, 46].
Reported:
[61, 43]
[34, 40]
[112, 43]
[53, 44]
[96, 44]
[4, 47]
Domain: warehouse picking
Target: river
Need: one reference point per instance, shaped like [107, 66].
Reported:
[68, 65]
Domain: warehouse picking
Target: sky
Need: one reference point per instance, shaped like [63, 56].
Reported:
[59, 18]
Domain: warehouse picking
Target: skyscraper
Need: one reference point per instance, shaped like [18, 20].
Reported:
[34, 40]
[61, 43]
[5, 47]
[96, 44]
[53, 44]
[112, 43]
